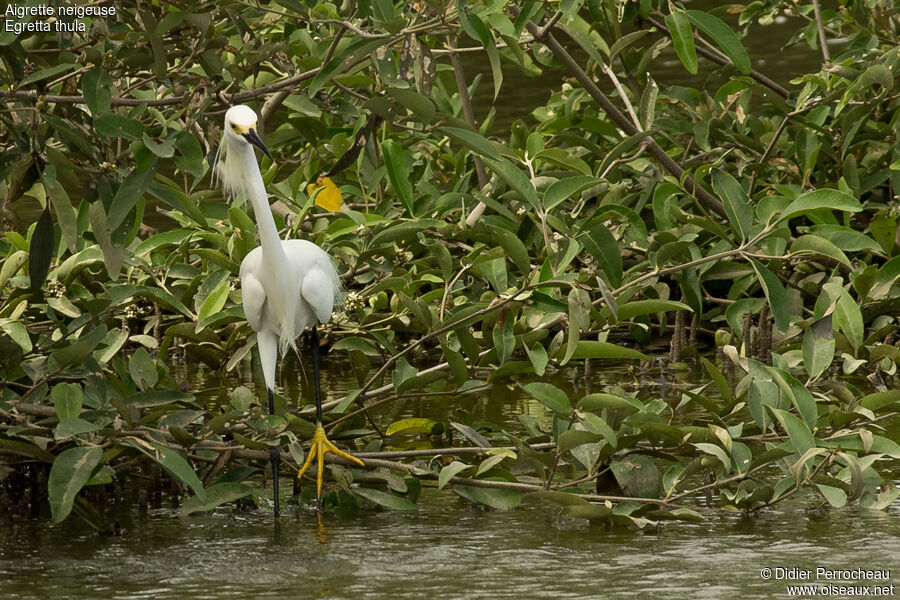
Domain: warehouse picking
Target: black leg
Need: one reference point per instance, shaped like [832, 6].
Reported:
[274, 454]
[315, 352]
[314, 341]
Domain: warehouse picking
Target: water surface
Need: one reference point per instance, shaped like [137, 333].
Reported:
[449, 548]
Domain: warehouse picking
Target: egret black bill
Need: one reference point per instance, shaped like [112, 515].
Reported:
[252, 137]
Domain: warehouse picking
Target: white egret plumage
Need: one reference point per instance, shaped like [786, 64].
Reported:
[287, 286]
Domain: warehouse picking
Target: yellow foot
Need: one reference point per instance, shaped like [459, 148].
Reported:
[319, 446]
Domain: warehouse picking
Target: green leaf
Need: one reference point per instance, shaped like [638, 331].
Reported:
[638, 308]
[538, 357]
[190, 154]
[882, 500]
[605, 249]
[719, 379]
[847, 239]
[594, 349]
[879, 400]
[561, 498]
[342, 60]
[398, 173]
[173, 462]
[590, 41]
[625, 41]
[402, 372]
[213, 304]
[847, 315]
[11, 265]
[95, 85]
[504, 341]
[216, 495]
[47, 73]
[26, 449]
[412, 425]
[67, 398]
[601, 400]
[72, 426]
[127, 196]
[814, 244]
[70, 471]
[835, 496]
[823, 199]
[724, 37]
[43, 242]
[495, 272]
[735, 201]
[637, 475]
[592, 512]
[472, 24]
[471, 435]
[576, 437]
[74, 352]
[562, 189]
[775, 294]
[683, 37]
[514, 248]
[418, 105]
[498, 499]
[450, 471]
[384, 499]
[65, 214]
[472, 140]
[718, 452]
[164, 149]
[550, 396]
[818, 346]
[114, 125]
[579, 305]
[142, 369]
[516, 179]
[564, 160]
[800, 435]
[496, 70]
[112, 253]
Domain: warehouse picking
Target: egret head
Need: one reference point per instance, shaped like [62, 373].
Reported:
[240, 127]
[233, 158]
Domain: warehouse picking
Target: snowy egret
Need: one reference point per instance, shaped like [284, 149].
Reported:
[287, 286]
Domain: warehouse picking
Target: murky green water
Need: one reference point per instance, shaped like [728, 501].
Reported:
[448, 549]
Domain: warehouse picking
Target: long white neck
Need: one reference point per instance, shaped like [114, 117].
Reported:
[256, 191]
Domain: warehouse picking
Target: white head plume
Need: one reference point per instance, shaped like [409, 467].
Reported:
[238, 135]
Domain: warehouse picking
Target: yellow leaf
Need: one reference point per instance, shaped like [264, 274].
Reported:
[329, 196]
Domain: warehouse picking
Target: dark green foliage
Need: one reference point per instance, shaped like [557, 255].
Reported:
[737, 217]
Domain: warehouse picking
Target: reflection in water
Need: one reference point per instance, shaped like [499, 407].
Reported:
[321, 530]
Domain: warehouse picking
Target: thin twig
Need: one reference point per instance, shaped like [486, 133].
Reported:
[820, 27]
[469, 114]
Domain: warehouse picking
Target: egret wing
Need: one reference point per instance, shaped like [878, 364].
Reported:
[253, 296]
[318, 290]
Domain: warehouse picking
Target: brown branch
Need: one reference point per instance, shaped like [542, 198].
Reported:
[168, 100]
